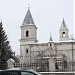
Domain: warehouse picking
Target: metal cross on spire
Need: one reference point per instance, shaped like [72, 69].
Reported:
[28, 7]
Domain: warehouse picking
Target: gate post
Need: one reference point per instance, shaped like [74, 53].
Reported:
[10, 63]
[51, 64]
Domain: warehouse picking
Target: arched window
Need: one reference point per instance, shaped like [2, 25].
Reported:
[50, 45]
[56, 65]
[63, 34]
[27, 33]
[26, 50]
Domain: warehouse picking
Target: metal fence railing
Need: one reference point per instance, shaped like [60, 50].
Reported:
[44, 67]
[34, 66]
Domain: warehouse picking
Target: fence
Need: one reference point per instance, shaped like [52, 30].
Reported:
[65, 66]
[34, 66]
[44, 67]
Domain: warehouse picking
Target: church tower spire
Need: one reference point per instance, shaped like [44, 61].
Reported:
[28, 18]
[63, 25]
[63, 32]
[28, 29]
[50, 38]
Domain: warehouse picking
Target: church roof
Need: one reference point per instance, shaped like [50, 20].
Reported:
[63, 25]
[28, 18]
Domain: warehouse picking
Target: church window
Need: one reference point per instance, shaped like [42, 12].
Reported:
[27, 33]
[56, 65]
[50, 45]
[63, 34]
[26, 50]
[0, 35]
[0, 45]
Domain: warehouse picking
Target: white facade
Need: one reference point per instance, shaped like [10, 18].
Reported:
[31, 50]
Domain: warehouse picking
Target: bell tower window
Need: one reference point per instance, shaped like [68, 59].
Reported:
[50, 45]
[26, 50]
[63, 34]
[27, 33]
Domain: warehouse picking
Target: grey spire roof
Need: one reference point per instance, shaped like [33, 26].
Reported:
[28, 18]
[50, 38]
[63, 25]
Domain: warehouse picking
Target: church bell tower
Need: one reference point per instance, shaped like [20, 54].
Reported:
[63, 32]
[28, 29]
[28, 36]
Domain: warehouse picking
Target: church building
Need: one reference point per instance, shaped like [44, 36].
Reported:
[50, 55]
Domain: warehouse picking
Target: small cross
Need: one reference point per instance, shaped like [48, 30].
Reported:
[28, 6]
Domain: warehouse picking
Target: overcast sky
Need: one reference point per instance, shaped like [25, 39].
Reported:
[47, 15]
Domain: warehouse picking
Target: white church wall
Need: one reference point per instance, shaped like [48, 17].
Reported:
[66, 48]
[35, 50]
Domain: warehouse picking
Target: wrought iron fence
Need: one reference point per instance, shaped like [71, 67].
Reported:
[44, 67]
[66, 66]
[40, 67]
